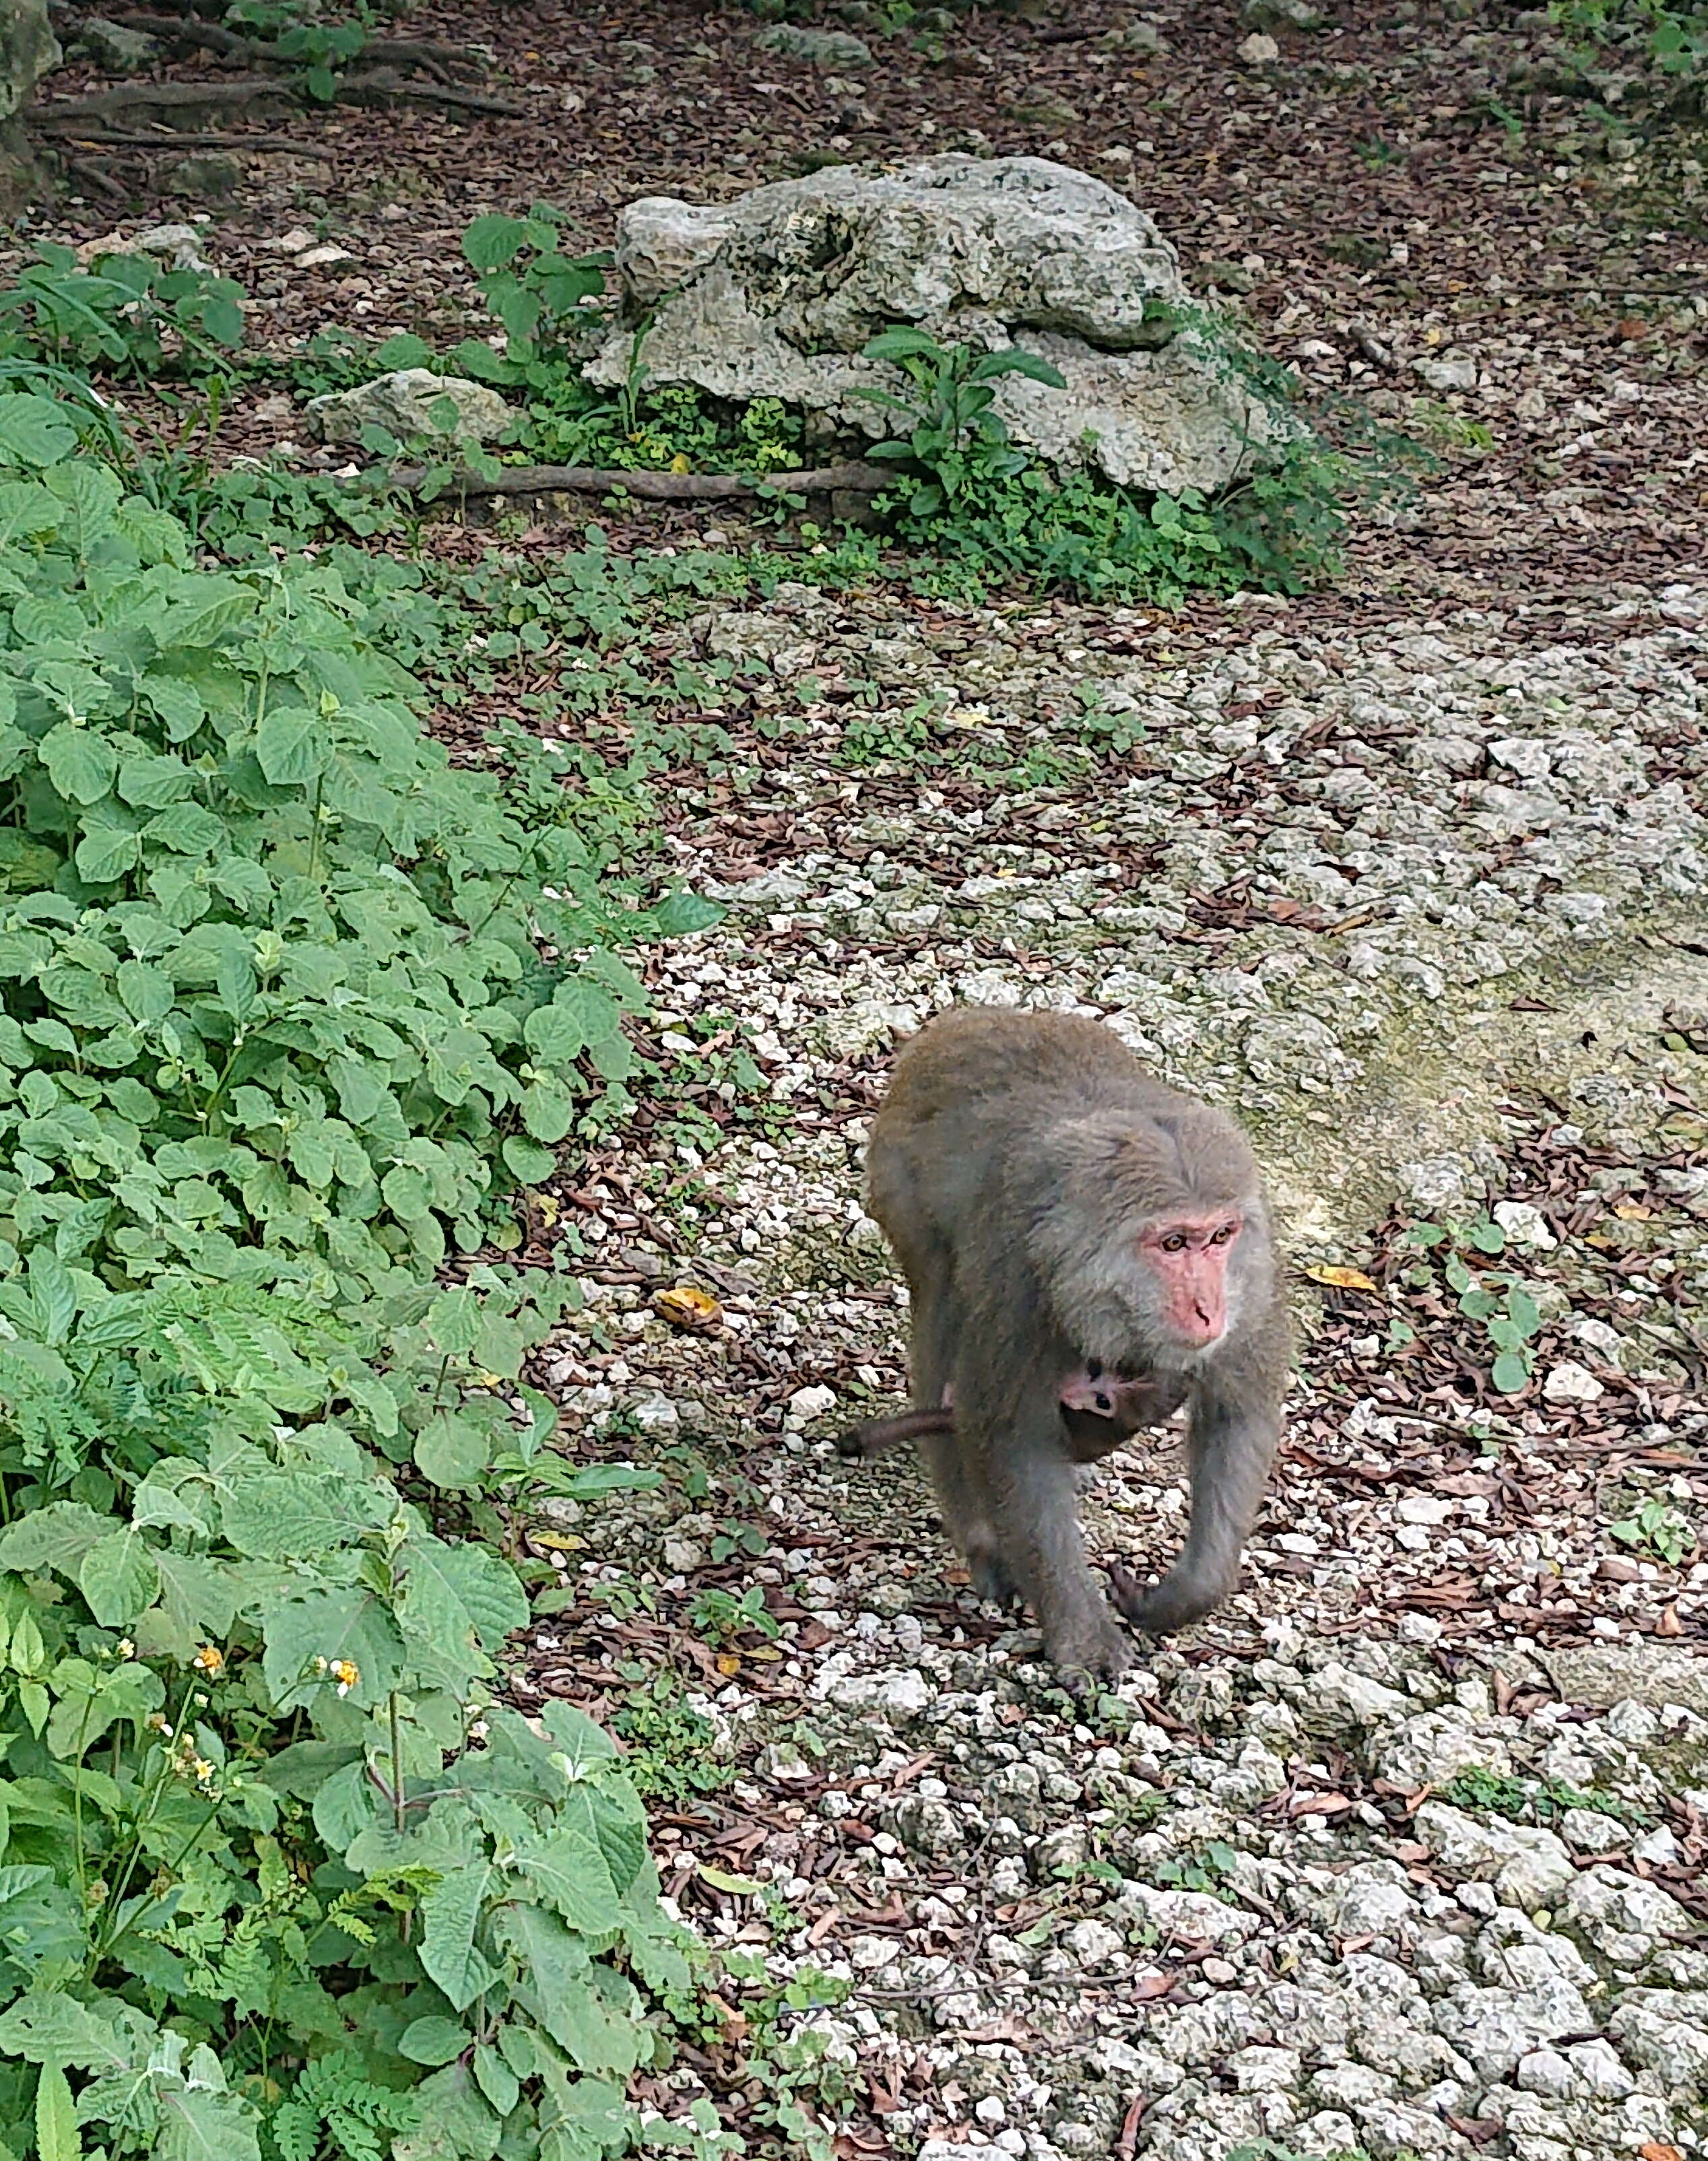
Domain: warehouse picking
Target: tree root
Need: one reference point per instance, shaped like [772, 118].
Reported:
[857, 477]
[156, 98]
[374, 86]
[441, 61]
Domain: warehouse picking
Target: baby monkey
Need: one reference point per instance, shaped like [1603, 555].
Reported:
[1099, 1411]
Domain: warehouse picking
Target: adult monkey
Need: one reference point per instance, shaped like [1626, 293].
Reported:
[1055, 1207]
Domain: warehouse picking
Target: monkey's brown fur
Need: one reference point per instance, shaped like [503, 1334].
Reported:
[1017, 1162]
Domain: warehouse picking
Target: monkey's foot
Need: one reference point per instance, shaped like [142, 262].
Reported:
[991, 1581]
[1086, 1652]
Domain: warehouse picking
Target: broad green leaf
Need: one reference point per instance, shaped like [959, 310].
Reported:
[1510, 1373]
[557, 1986]
[57, 2137]
[56, 1536]
[491, 242]
[527, 1163]
[433, 2040]
[33, 431]
[679, 914]
[597, 1014]
[548, 1112]
[406, 1192]
[118, 1578]
[296, 1515]
[307, 1637]
[56, 2028]
[454, 1321]
[496, 2080]
[202, 2122]
[81, 764]
[106, 852]
[292, 746]
[568, 1874]
[555, 1036]
[451, 1911]
[452, 1449]
[148, 993]
[459, 1595]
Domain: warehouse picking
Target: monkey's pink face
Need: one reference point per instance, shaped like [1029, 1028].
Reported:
[1190, 1256]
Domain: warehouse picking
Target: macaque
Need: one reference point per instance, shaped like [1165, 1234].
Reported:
[1099, 1411]
[1064, 1220]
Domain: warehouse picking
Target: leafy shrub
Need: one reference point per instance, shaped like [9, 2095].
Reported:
[1673, 39]
[276, 1873]
[972, 498]
[128, 313]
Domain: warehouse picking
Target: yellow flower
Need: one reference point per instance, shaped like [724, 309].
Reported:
[346, 1673]
[210, 1660]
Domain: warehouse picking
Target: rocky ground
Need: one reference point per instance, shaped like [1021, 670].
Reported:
[1404, 1853]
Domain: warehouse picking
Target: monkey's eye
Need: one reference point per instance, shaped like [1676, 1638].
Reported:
[1175, 1242]
[1221, 1234]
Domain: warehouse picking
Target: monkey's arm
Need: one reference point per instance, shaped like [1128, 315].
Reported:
[1231, 1442]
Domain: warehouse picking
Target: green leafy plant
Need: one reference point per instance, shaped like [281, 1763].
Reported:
[534, 290]
[1673, 39]
[277, 1036]
[297, 32]
[1539, 1800]
[1500, 1303]
[953, 440]
[1657, 1526]
[667, 1742]
[720, 1616]
[1203, 1869]
[125, 312]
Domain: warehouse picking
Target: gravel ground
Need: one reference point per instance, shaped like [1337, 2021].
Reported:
[1403, 1853]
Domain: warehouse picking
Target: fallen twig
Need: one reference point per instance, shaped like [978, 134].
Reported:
[857, 475]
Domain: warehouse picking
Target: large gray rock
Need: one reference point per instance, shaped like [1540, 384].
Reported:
[1602, 1674]
[28, 50]
[773, 295]
[411, 401]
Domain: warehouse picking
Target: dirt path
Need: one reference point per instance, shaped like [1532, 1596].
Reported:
[1404, 1854]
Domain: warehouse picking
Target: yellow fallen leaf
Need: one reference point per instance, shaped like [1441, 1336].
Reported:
[1632, 1211]
[1341, 1278]
[680, 463]
[739, 1887]
[686, 1307]
[765, 1651]
[728, 1665]
[557, 1541]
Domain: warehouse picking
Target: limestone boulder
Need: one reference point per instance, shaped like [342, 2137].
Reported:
[775, 295]
[409, 402]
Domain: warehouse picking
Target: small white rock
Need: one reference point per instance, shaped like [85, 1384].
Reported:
[1569, 1383]
[1260, 49]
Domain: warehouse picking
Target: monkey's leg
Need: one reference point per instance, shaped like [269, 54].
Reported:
[938, 1326]
[1230, 1445]
[1017, 1466]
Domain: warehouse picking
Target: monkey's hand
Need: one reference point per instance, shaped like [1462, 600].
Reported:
[1156, 1609]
